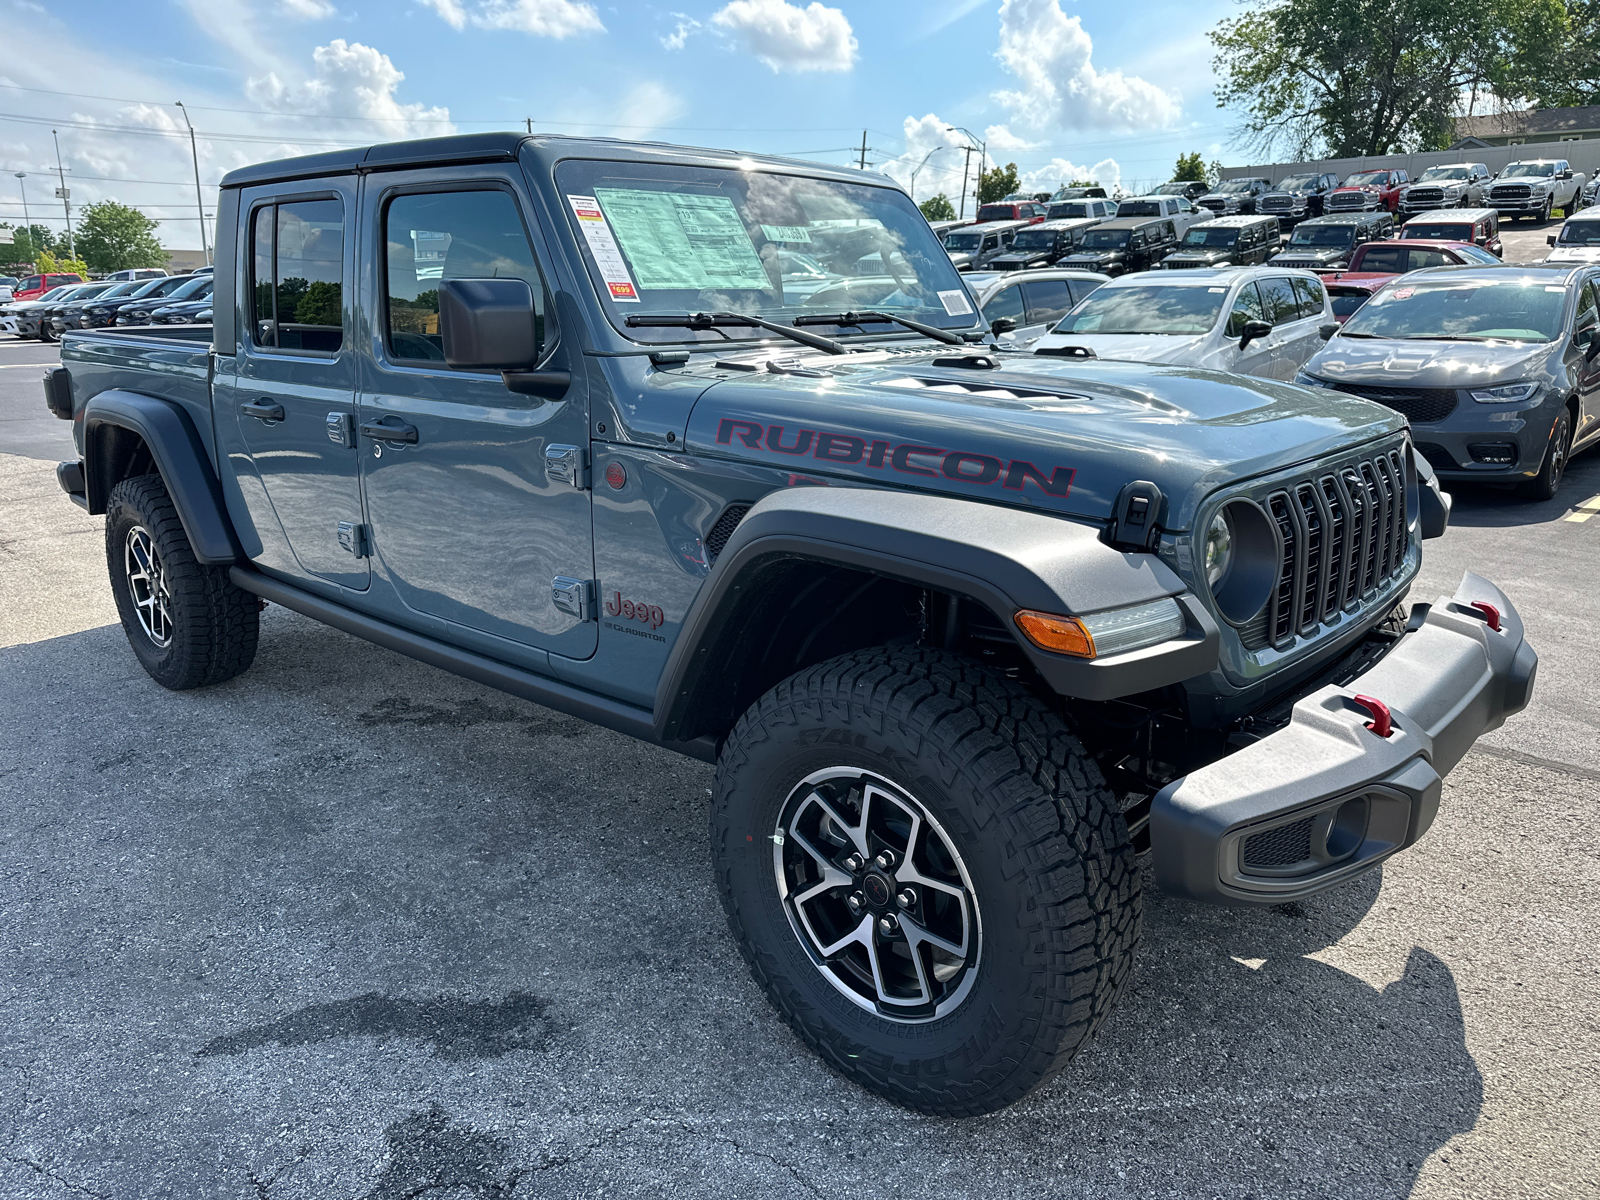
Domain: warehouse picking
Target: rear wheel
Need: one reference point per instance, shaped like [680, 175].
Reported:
[188, 624]
[1547, 482]
[927, 875]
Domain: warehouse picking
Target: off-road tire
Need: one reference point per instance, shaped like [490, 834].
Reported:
[212, 625]
[1547, 482]
[1047, 848]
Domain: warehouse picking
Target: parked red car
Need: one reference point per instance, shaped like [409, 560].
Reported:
[1367, 190]
[34, 286]
[1031, 212]
[1379, 262]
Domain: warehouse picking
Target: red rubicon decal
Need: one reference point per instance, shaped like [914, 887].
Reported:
[964, 466]
[634, 610]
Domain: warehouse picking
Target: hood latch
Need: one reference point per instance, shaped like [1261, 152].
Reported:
[1134, 516]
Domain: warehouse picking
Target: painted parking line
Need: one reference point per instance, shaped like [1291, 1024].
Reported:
[1585, 509]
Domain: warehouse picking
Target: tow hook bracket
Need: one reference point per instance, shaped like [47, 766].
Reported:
[1489, 612]
[1382, 722]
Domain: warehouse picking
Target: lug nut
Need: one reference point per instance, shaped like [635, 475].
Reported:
[853, 863]
[888, 924]
[906, 898]
[885, 860]
[856, 901]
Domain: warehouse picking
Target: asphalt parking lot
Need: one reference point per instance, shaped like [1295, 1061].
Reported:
[350, 927]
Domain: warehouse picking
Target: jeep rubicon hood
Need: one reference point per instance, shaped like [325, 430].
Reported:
[1221, 256]
[1036, 432]
[1094, 260]
[1019, 260]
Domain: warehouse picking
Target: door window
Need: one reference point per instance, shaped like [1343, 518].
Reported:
[1048, 300]
[298, 275]
[1588, 311]
[1246, 307]
[1278, 298]
[1309, 293]
[1005, 303]
[449, 235]
[1082, 288]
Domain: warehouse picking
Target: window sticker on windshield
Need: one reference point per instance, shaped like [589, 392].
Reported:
[1216, 289]
[787, 233]
[1557, 288]
[1401, 294]
[677, 240]
[596, 231]
[955, 303]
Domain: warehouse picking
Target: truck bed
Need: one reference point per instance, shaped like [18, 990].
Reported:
[172, 362]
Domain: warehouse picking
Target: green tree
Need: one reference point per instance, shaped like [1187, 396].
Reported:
[1559, 65]
[997, 183]
[114, 237]
[47, 263]
[1349, 78]
[30, 241]
[1190, 167]
[938, 208]
[319, 305]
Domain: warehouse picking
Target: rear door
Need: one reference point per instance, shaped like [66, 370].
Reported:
[472, 517]
[1046, 302]
[285, 414]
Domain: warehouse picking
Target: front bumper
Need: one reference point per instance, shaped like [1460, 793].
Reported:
[1325, 798]
[1532, 204]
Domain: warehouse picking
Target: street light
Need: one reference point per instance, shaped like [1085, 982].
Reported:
[983, 160]
[200, 205]
[922, 164]
[66, 199]
[22, 182]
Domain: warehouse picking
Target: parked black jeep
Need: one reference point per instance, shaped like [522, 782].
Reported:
[1226, 242]
[1123, 246]
[1326, 243]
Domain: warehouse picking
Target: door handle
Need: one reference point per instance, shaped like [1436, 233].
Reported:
[380, 432]
[267, 410]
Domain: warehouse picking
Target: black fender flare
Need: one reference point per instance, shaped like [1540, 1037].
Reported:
[1004, 558]
[180, 456]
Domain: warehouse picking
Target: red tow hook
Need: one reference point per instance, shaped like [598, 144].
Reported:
[1382, 722]
[1491, 614]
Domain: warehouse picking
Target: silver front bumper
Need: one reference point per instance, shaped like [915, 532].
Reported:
[1326, 798]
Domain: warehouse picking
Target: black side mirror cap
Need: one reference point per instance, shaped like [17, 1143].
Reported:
[1253, 330]
[1550, 239]
[1002, 325]
[1327, 331]
[488, 324]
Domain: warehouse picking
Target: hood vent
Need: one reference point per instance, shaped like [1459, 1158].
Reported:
[986, 391]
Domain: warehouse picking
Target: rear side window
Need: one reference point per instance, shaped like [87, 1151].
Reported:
[1587, 313]
[1082, 288]
[1387, 259]
[449, 235]
[1048, 300]
[297, 276]
[1309, 293]
[1278, 298]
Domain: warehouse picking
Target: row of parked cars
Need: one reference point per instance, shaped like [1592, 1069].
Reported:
[110, 303]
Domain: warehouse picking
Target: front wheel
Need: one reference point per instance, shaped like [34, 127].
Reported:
[1547, 482]
[927, 875]
[189, 626]
[46, 334]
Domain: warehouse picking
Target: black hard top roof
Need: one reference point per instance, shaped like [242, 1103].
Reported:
[1133, 222]
[1352, 218]
[1236, 221]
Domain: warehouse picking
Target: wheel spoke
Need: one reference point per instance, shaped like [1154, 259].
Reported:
[916, 933]
[832, 877]
[909, 874]
[861, 933]
[858, 836]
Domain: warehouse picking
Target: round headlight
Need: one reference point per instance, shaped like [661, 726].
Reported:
[1219, 549]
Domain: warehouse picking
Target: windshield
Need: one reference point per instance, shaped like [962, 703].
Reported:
[1139, 208]
[1580, 233]
[1230, 186]
[1181, 310]
[1438, 233]
[1365, 177]
[1297, 182]
[1069, 209]
[674, 239]
[1346, 300]
[1211, 237]
[130, 288]
[1437, 173]
[1174, 189]
[1520, 309]
[1035, 239]
[193, 289]
[1106, 239]
[1525, 170]
[997, 212]
[1333, 236]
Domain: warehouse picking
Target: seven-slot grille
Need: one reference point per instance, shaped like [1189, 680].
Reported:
[1343, 538]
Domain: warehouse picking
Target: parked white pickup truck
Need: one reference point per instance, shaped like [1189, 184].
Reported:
[1534, 188]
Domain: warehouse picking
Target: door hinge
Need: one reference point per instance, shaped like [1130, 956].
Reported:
[565, 464]
[575, 597]
[354, 539]
[342, 432]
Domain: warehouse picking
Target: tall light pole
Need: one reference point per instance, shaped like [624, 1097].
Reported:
[22, 182]
[983, 160]
[66, 199]
[200, 206]
[919, 167]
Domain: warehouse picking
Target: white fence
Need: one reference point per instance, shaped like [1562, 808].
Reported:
[1584, 156]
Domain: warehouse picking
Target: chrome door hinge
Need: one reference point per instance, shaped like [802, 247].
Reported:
[342, 430]
[575, 597]
[353, 538]
[565, 464]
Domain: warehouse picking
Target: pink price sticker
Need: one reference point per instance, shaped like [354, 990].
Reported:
[1401, 293]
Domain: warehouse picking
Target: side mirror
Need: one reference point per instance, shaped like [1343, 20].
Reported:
[1550, 239]
[1252, 331]
[488, 324]
[1327, 331]
[1002, 325]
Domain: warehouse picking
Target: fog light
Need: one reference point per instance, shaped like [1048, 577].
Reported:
[1499, 454]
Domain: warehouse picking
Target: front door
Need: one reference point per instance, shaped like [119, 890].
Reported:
[1588, 319]
[1257, 357]
[472, 517]
[292, 392]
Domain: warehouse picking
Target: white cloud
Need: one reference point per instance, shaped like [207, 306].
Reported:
[680, 35]
[308, 10]
[541, 18]
[999, 139]
[937, 154]
[1061, 89]
[788, 38]
[349, 78]
[1059, 171]
[647, 107]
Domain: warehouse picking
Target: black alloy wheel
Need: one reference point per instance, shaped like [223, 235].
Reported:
[1547, 482]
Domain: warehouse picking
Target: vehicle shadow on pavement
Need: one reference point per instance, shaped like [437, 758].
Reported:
[1488, 505]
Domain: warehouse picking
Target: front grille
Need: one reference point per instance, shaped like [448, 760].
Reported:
[1179, 264]
[1276, 204]
[1343, 537]
[1307, 263]
[1425, 196]
[1280, 847]
[1510, 191]
[717, 539]
[1423, 405]
[1356, 200]
[1213, 205]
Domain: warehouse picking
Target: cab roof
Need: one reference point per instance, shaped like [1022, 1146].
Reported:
[1237, 221]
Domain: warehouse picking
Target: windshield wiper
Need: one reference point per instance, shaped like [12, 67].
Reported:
[856, 318]
[713, 320]
[1379, 336]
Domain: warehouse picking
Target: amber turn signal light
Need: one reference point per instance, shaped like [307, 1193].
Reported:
[1060, 635]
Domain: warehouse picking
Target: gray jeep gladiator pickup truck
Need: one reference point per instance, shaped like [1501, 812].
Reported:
[714, 450]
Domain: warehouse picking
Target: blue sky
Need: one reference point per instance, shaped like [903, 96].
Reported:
[1057, 87]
